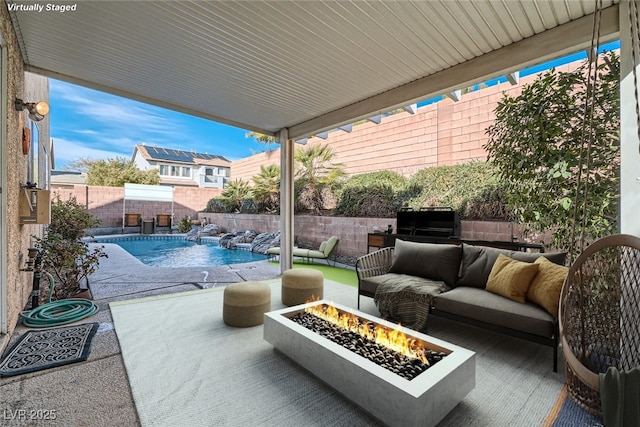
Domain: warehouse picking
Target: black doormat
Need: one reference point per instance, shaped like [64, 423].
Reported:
[48, 348]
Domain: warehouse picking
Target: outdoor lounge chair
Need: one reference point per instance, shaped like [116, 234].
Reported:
[325, 250]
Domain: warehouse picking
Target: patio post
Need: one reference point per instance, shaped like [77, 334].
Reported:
[629, 177]
[286, 200]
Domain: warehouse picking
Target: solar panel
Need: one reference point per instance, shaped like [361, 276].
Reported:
[159, 153]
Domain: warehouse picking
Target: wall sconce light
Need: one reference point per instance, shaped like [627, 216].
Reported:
[37, 111]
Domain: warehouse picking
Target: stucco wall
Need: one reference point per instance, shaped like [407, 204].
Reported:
[14, 167]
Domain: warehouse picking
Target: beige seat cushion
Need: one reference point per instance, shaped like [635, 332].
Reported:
[478, 304]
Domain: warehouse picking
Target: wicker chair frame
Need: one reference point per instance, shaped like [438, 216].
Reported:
[599, 316]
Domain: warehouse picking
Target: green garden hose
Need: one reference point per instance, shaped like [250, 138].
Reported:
[57, 313]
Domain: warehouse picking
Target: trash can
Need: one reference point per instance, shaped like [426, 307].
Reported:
[147, 226]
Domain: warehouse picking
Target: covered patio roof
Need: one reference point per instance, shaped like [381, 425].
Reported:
[296, 68]
[307, 66]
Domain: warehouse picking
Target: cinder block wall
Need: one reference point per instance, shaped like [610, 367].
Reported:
[439, 134]
[312, 230]
[106, 203]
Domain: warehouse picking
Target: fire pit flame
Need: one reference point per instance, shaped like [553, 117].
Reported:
[393, 339]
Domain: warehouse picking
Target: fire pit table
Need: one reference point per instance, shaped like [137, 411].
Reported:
[380, 384]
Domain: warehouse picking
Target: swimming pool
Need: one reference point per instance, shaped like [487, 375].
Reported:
[174, 251]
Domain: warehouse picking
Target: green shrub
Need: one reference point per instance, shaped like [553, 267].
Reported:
[70, 219]
[250, 206]
[489, 205]
[216, 205]
[375, 194]
[64, 255]
[472, 189]
[390, 178]
[379, 201]
[467, 188]
[185, 224]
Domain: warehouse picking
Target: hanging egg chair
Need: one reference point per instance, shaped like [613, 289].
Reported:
[599, 316]
[599, 312]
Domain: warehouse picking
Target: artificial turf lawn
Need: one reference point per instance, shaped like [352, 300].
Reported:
[337, 274]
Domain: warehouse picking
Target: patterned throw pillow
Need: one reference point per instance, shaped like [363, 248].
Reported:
[511, 278]
[546, 286]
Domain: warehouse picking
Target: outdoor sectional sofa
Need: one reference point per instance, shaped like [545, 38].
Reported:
[511, 292]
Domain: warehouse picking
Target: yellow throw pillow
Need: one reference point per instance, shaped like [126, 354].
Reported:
[546, 286]
[511, 278]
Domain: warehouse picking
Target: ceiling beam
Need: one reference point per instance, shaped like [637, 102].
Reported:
[377, 119]
[513, 78]
[455, 95]
[548, 45]
[411, 109]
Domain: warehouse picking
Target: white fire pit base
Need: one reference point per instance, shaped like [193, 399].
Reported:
[423, 401]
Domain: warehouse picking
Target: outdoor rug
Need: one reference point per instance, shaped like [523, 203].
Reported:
[48, 348]
[186, 367]
[566, 413]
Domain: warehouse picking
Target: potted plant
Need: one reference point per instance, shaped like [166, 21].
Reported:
[64, 254]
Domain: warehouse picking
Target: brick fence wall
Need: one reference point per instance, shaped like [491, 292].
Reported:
[106, 203]
[311, 230]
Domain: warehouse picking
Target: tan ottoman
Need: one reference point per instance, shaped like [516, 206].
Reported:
[245, 303]
[299, 285]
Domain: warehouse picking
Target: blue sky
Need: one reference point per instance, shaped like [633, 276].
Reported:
[90, 124]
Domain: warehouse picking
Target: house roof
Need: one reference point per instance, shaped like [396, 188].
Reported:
[307, 66]
[170, 155]
[68, 177]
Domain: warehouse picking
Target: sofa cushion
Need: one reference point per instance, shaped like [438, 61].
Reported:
[429, 260]
[546, 286]
[477, 262]
[478, 304]
[511, 278]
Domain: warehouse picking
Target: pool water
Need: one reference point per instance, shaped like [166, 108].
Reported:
[161, 251]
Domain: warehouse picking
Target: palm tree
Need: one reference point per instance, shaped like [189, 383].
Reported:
[234, 193]
[262, 138]
[315, 174]
[266, 189]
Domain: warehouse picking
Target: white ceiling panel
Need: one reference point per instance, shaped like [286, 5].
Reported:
[303, 65]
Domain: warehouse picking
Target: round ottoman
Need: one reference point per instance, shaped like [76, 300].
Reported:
[299, 285]
[245, 303]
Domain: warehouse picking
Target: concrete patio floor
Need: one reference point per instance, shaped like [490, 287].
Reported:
[96, 392]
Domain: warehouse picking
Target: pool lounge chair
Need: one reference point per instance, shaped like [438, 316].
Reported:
[326, 249]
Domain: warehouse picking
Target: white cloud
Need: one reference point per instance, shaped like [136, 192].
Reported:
[65, 151]
[116, 113]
